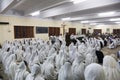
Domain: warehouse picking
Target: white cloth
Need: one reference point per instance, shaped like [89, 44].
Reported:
[111, 68]
[21, 73]
[78, 68]
[35, 73]
[12, 68]
[91, 57]
[60, 59]
[48, 69]
[65, 73]
[94, 72]
[72, 53]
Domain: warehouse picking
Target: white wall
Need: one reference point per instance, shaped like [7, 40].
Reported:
[7, 31]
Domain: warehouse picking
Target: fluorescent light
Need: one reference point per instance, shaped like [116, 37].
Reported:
[93, 23]
[115, 19]
[106, 14]
[66, 19]
[76, 18]
[117, 22]
[84, 21]
[35, 13]
[77, 1]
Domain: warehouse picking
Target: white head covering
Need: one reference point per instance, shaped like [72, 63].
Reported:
[111, 67]
[78, 68]
[65, 72]
[110, 62]
[35, 73]
[91, 57]
[12, 68]
[22, 66]
[94, 72]
[48, 68]
[21, 73]
[35, 69]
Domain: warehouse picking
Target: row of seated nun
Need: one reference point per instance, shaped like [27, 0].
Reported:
[113, 43]
[36, 59]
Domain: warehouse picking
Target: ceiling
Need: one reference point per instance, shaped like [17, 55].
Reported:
[58, 9]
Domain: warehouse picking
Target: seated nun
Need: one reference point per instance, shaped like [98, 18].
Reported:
[35, 73]
[73, 53]
[48, 69]
[78, 68]
[19, 54]
[32, 57]
[94, 71]
[5, 58]
[111, 68]
[101, 42]
[60, 58]
[12, 68]
[91, 57]
[42, 56]
[65, 73]
[113, 44]
[10, 59]
[82, 49]
[21, 72]
[52, 51]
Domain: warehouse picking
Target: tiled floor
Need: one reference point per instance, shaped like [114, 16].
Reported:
[107, 51]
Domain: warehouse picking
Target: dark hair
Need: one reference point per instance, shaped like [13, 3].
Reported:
[26, 64]
[8, 49]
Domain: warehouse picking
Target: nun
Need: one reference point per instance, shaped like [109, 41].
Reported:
[111, 68]
[21, 72]
[48, 69]
[72, 53]
[65, 73]
[12, 68]
[78, 68]
[91, 57]
[60, 59]
[35, 73]
[94, 71]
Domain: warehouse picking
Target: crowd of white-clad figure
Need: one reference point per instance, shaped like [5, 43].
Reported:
[36, 59]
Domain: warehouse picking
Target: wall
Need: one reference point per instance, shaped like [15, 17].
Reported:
[7, 31]
[105, 27]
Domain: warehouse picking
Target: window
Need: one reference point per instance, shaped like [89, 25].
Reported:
[41, 30]
[23, 31]
[116, 31]
[54, 31]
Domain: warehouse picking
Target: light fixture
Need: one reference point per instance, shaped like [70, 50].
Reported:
[84, 21]
[106, 14]
[35, 13]
[77, 1]
[117, 22]
[115, 19]
[93, 23]
[76, 18]
[66, 19]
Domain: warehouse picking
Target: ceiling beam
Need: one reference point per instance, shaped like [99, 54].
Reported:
[7, 5]
[78, 7]
[49, 6]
